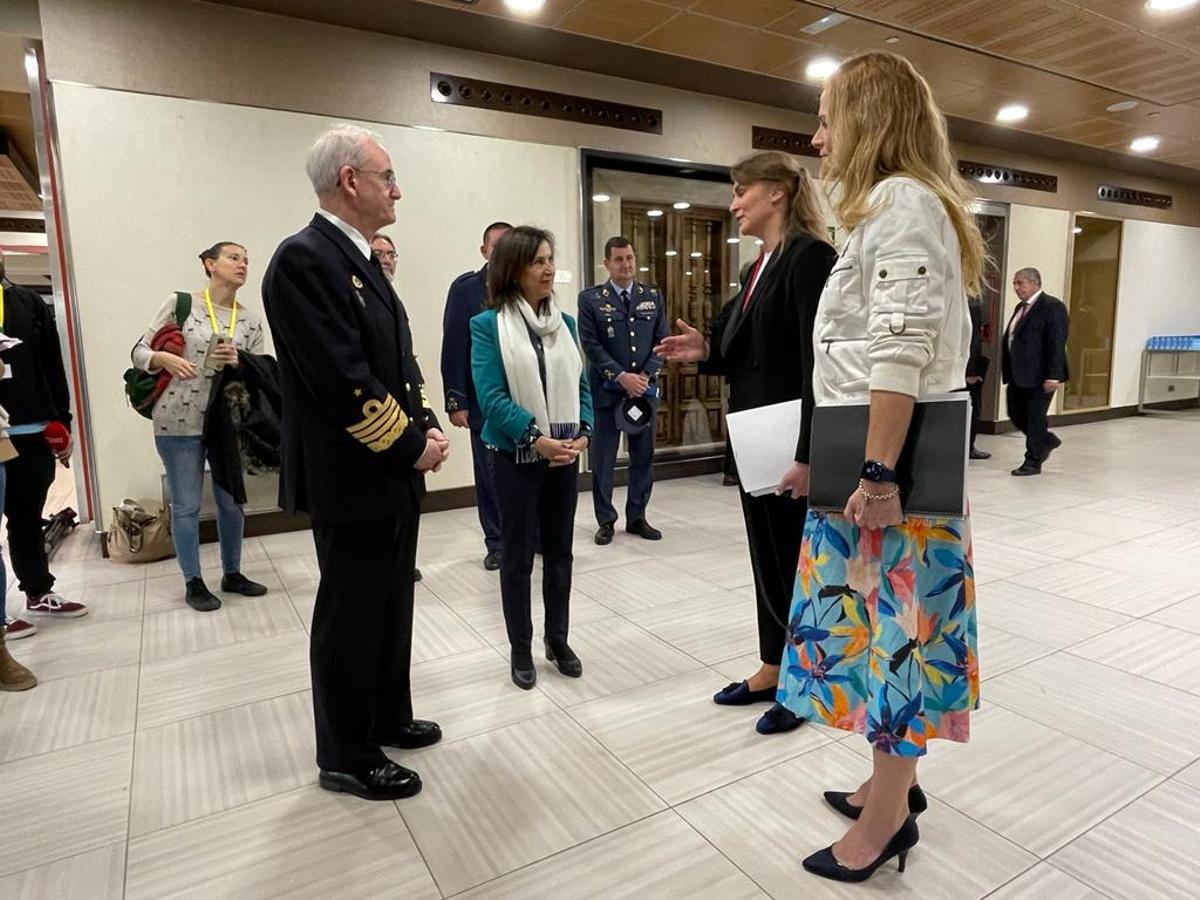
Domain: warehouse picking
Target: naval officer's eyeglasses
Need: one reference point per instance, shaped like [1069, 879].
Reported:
[388, 177]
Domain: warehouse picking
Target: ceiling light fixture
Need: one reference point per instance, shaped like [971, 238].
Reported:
[696, 254]
[1168, 5]
[1077, 230]
[654, 213]
[672, 253]
[600, 198]
[733, 240]
[1013, 112]
[825, 23]
[688, 274]
[1144, 144]
[1122, 106]
[892, 40]
[682, 204]
[821, 68]
[733, 284]
[643, 268]
[525, 7]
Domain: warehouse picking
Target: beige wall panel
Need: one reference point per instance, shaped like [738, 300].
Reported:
[1157, 294]
[187, 174]
[188, 49]
[1039, 238]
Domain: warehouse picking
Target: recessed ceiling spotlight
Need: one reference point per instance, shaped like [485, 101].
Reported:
[892, 40]
[600, 198]
[688, 274]
[758, 242]
[682, 204]
[525, 7]
[733, 240]
[1122, 106]
[696, 254]
[1013, 112]
[1168, 5]
[643, 268]
[654, 213]
[1077, 230]
[672, 253]
[733, 284]
[1144, 144]
[821, 68]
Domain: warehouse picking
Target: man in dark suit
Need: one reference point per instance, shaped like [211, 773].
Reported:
[357, 436]
[977, 367]
[620, 323]
[468, 297]
[1034, 365]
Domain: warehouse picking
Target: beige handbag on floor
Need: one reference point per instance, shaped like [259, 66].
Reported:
[139, 533]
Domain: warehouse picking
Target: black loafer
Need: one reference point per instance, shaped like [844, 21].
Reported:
[237, 583]
[491, 562]
[417, 576]
[1027, 469]
[524, 675]
[413, 736]
[388, 781]
[604, 535]
[777, 720]
[1055, 443]
[739, 694]
[564, 658]
[199, 597]
[644, 529]
[840, 800]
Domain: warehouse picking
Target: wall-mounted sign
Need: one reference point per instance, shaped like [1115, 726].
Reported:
[459, 91]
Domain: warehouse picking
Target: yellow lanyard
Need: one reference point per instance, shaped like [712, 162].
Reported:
[1, 307]
[212, 316]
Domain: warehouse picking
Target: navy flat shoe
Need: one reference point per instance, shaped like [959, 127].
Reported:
[739, 694]
[777, 720]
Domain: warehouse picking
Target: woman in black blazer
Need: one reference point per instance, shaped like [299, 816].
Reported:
[761, 341]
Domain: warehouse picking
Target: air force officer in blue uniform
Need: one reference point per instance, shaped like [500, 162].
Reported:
[619, 324]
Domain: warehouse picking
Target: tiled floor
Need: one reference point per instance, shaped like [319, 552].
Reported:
[168, 753]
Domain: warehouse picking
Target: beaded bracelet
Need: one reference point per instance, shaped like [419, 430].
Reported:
[876, 498]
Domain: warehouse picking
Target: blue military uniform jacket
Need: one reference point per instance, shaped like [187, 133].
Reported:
[467, 298]
[620, 337]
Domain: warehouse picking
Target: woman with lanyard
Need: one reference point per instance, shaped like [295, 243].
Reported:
[214, 330]
[761, 341]
[537, 419]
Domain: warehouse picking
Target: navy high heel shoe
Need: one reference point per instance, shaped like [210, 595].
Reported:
[825, 864]
[840, 800]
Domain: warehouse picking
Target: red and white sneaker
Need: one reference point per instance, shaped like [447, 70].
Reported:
[54, 606]
[15, 629]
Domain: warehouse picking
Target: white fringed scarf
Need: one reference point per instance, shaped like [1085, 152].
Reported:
[556, 409]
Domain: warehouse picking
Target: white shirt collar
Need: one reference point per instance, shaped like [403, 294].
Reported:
[356, 236]
[617, 288]
[1030, 301]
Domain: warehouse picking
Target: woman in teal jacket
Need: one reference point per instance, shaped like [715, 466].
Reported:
[537, 409]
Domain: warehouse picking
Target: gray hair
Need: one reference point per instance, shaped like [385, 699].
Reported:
[341, 145]
[1029, 273]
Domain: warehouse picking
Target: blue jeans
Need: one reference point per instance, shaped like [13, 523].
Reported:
[183, 458]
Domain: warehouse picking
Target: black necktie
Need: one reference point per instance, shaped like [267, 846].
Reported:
[625, 299]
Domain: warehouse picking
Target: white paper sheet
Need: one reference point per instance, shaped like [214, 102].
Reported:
[764, 444]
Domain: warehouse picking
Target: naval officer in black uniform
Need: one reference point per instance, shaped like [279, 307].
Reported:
[620, 322]
[466, 298]
[357, 436]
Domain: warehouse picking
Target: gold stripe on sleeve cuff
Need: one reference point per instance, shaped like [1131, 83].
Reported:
[383, 421]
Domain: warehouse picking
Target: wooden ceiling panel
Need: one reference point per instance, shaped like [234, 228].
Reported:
[794, 23]
[624, 21]
[755, 13]
[724, 43]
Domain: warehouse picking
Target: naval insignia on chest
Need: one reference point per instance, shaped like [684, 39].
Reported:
[647, 306]
[354, 280]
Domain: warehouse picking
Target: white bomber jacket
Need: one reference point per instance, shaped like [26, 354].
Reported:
[893, 315]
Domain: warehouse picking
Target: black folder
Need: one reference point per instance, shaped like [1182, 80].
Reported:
[932, 469]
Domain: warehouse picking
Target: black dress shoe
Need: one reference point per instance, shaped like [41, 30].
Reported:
[604, 534]
[416, 574]
[980, 454]
[237, 583]
[840, 800]
[1027, 468]
[564, 658]
[644, 529]
[1055, 443]
[413, 736]
[739, 694]
[199, 597]
[388, 781]
[524, 675]
[491, 562]
[825, 864]
[777, 720]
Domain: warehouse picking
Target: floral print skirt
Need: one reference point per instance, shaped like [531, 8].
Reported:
[881, 639]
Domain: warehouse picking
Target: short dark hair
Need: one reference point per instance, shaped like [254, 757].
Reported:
[515, 250]
[614, 243]
[213, 253]
[505, 225]
[379, 235]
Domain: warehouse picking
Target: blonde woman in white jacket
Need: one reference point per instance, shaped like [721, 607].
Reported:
[892, 655]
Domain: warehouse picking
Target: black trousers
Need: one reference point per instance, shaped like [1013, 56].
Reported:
[1027, 407]
[775, 526]
[606, 441]
[535, 498]
[29, 478]
[486, 501]
[976, 392]
[361, 642]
